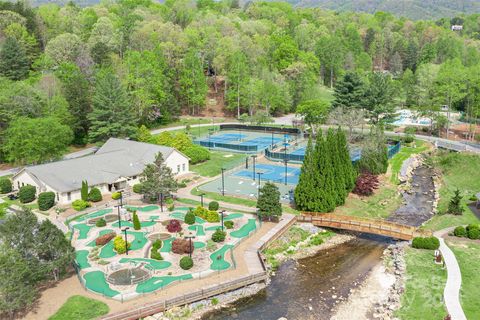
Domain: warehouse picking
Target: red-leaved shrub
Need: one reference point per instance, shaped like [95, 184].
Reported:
[181, 246]
[102, 240]
[365, 185]
[174, 226]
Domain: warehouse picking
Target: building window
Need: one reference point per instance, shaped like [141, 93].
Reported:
[178, 168]
[183, 167]
[69, 196]
[18, 184]
[134, 177]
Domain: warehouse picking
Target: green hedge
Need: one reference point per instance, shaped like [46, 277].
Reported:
[27, 193]
[197, 153]
[46, 200]
[116, 195]
[430, 243]
[5, 185]
[95, 195]
[80, 205]
[137, 188]
[460, 232]
[154, 253]
[208, 215]
[186, 263]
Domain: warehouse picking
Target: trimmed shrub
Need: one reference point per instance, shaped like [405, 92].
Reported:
[213, 206]
[228, 224]
[95, 195]
[430, 243]
[84, 191]
[27, 193]
[116, 195]
[186, 263]
[5, 185]
[181, 246]
[219, 235]
[80, 205]
[205, 214]
[170, 204]
[473, 234]
[103, 240]
[460, 232]
[119, 245]
[365, 185]
[196, 153]
[100, 223]
[136, 221]
[174, 226]
[137, 188]
[472, 226]
[190, 217]
[46, 200]
[157, 244]
[154, 253]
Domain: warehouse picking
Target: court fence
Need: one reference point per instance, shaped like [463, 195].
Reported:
[229, 146]
[260, 128]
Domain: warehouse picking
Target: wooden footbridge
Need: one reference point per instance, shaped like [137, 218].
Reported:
[367, 225]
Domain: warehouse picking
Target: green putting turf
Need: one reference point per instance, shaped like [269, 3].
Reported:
[84, 230]
[130, 224]
[177, 215]
[96, 282]
[199, 220]
[140, 240]
[95, 214]
[155, 264]
[93, 244]
[198, 229]
[182, 208]
[107, 251]
[199, 244]
[233, 216]
[245, 229]
[218, 258]
[81, 256]
[167, 245]
[156, 283]
[213, 228]
[154, 217]
[144, 209]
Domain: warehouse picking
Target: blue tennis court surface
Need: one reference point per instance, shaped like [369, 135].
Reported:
[244, 141]
[271, 173]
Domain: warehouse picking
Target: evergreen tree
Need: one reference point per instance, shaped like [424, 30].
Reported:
[157, 179]
[324, 179]
[268, 203]
[455, 204]
[340, 189]
[13, 60]
[305, 192]
[349, 172]
[136, 221]
[112, 114]
[84, 191]
[348, 92]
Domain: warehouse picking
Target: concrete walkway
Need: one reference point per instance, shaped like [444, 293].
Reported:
[451, 293]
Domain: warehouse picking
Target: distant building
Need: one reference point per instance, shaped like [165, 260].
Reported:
[457, 27]
[116, 165]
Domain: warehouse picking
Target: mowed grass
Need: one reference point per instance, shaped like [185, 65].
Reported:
[229, 199]
[218, 160]
[467, 255]
[462, 171]
[422, 299]
[405, 152]
[80, 308]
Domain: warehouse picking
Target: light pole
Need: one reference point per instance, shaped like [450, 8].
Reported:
[259, 182]
[272, 140]
[126, 243]
[190, 236]
[222, 213]
[119, 220]
[223, 181]
[201, 198]
[121, 198]
[286, 162]
[254, 157]
[246, 162]
[161, 201]
[209, 142]
[285, 146]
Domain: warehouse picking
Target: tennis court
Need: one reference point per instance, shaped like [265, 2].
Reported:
[271, 173]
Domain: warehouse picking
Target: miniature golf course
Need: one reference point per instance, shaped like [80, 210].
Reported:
[218, 258]
[156, 283]
[155, 264]
[95, 281]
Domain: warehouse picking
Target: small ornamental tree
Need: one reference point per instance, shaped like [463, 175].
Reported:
[5, 186]
[366, 184]
[174, 226]
[27, 193]
[136, 221]
[84, 191]
[455, 205]
[219, 235]
[190, 217]
[213, 206]
[95, 195]
[46, 200]
[268, 203]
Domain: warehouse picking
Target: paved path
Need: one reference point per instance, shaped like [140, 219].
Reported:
[451, 293]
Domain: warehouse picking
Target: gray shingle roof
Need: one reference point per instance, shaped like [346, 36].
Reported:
[115, 159]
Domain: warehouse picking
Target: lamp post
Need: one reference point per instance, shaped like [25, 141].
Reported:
[246, 162]
[201, 198]
[286, 162]
[222, 213]
[209, 135]
[126, 243]
[161, 201]
[119, 220]
[254, 157]
[272, 140]
[223, 181]
[190, 236]
[121, 198]
[259, 182]
[285, 145]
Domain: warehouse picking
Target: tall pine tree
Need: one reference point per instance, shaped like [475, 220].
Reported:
[305, 192]
[13, 60]
[112, 114]
[347, 168]
[325, 179]
[339, 189]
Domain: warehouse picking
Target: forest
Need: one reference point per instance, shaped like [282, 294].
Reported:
[71, 75]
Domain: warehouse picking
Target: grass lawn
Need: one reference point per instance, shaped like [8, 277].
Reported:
[193, 120]
[196, 132]
[80, 308]
[424, 285]
[467, 255]
[229, 199]
[380, 205]
[405, 152]
[212, 167]
[459, 170]
[31, 205]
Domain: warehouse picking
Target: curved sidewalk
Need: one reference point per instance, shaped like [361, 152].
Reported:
[451, 293]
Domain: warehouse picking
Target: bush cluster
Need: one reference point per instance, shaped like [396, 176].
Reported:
[137, 188]
[213, 206]
[80, 205]
[365, 185]
[103, 240]
[100, 223]
[174, 226]
[116, 195]
[228, 224]
[473, 231]
[95, 195]
[46, 200]
[196, 153]
[119, 245]
[27, 193]
[219, 235]
[205, 214]
[181, 246]
[430, 243]
[186, 263]
[190, 217]
[154, 251]
[5, 185]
